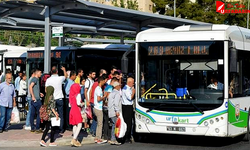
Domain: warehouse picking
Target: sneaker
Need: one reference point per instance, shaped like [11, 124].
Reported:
[112, 142]
[38, 131]
[1, 131]
[43, 144]
[101, 141]
[117, 143]
[96, 140]
[32, 131]
[76, 143]
[6, 130]
[52, 144]
[28, 128]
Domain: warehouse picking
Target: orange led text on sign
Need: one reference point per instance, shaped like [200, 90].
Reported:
[178, 50]
[40, 55]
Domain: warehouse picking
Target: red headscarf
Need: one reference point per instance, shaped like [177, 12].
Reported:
[75, 116]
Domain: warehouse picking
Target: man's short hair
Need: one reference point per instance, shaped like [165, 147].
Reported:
[72, 73]
[114, 79]
[105, 76]
[79, 70]
[113, 67]
[8, 71]
[101, 71]
[54, 70]
[37, 70]
[116, 73]
[91, 71]
[101, 78]
[32, 71]
[81, 79]
[23, 75]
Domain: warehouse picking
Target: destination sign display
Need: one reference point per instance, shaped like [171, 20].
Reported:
[178, 50]
[10, 61]
[41, 55]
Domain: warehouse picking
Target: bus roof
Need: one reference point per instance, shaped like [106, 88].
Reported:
[88, 46]
[10, 51]
[54, 48]
[240, 36]
[107, 46]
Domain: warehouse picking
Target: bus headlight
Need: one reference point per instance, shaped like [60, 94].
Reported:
[217, 130]
[206, 123]
[142, 118]
[217, 119]
[211, 121]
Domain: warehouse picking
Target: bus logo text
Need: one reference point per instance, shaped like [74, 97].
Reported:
[177, 120]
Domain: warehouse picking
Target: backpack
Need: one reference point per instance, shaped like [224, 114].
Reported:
[44, 79]
[44, 113]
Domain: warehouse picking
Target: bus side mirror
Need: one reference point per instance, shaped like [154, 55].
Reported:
[233, 60]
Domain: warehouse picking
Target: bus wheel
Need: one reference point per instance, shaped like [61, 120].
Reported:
[246, 136]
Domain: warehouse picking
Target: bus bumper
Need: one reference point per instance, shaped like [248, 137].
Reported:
[181, 129]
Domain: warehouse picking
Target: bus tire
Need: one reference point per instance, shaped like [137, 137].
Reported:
[246, 136]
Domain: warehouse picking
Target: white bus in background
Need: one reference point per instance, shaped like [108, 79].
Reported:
[179, 65]
[13, 57]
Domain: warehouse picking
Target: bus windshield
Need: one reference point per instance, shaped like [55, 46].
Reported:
[181, 75]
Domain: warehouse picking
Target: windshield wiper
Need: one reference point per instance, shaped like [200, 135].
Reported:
[158, 106]
[197, 108]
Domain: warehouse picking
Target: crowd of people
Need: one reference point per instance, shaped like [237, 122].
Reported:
[90, 104]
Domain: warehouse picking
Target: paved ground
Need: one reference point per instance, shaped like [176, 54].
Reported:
[18, 137]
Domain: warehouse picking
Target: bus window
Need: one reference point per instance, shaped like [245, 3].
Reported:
[179, 73]
[239, 78]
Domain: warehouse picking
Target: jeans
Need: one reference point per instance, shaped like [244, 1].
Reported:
[113, 128]
[35, 107]
[94, 123]
[59, 107]
[5, 116]
[29, 112]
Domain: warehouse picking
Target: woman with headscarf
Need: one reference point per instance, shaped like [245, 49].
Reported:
[75, 117]
[50, 103]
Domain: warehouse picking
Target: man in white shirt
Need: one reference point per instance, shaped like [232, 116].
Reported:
[128, 93]
[56, 82]
[98, 101]
[88, 85]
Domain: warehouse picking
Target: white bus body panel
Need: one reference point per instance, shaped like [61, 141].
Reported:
[240, 37]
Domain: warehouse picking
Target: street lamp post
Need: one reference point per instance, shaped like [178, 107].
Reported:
[175, 8]
[247, 14]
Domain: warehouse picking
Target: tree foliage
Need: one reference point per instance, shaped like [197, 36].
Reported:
[200, 10]
[24, 38]
[129, 4]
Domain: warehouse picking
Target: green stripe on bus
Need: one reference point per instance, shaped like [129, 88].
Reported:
[176, 114]
[212, 116]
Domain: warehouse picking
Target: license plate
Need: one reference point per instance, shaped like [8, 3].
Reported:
[180, 129]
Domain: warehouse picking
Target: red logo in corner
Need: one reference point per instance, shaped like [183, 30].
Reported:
[220, 7]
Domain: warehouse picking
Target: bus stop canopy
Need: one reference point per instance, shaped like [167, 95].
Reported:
[83, 17]
[80, 17]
